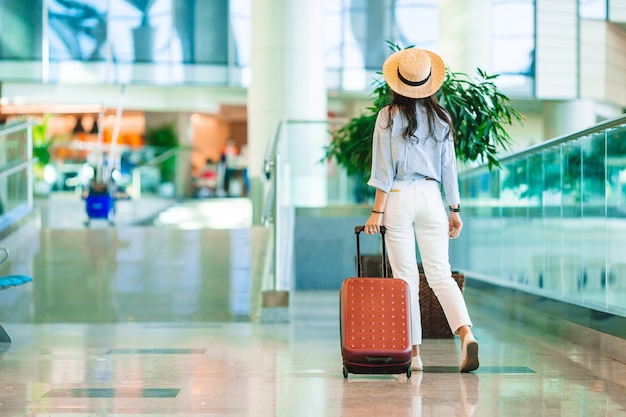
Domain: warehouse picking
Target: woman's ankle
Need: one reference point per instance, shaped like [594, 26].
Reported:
[464, 331]
[416, 350]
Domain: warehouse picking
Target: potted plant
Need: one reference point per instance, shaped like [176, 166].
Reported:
[41, 151]
[162, 139]
[479, 110]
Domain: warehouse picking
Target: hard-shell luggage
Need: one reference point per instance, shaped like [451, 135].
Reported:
[375, 321]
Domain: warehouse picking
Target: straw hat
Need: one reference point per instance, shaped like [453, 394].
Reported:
[414, 73]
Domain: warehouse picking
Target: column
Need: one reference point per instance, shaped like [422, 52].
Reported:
[183, 158]
[465, 34]
[288, 84]
[266, 93]
[306, 102]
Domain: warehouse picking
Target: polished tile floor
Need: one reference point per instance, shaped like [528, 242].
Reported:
[160, 321]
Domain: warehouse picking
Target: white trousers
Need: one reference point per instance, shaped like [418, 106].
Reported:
[415, 210]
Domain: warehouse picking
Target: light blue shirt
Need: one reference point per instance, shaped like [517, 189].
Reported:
[394, 158]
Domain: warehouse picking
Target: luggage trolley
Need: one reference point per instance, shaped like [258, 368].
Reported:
[101, 194]
[100, 203]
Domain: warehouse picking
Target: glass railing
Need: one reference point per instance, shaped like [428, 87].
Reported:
[552, 220]
[281, 191]
[158, 172]
[16, 174]
[278, 213]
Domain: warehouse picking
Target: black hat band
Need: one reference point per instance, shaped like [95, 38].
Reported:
[414, 83]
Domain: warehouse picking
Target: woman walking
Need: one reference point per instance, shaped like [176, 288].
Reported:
[413, 159]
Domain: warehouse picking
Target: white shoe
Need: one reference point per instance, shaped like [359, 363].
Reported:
[416, 364]
[469, 354]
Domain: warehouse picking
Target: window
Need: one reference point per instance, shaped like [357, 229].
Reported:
[514, 43]
[592, 9]
[21, 24]
[357, 32]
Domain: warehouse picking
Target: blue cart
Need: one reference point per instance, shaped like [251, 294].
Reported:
[100, 203]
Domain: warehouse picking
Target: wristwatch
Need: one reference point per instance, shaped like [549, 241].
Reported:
[455, 210]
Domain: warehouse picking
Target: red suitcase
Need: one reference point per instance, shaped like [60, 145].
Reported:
[375, 321]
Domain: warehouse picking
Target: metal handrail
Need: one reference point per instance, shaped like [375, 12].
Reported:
[269, 167]
[267, 217]
[597, 128]
[16, 127]
[18, 167]
[270, 154]
[163, 157]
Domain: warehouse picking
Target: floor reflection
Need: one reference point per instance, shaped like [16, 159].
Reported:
[136, 273]
[157, 321]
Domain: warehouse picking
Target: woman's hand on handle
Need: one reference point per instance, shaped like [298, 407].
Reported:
[376, 218]
[372, 225]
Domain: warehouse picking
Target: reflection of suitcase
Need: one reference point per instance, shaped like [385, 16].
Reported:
[434, 322]
[375, 322]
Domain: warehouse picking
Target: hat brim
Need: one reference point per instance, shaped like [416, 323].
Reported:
[438, 74]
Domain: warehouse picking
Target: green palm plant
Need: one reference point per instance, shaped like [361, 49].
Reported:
[164, 138]
[480, 114]
[41, 146]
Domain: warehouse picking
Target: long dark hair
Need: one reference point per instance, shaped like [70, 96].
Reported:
[407, 106]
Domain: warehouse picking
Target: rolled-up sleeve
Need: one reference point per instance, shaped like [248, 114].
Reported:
[382, 175]
[449, 175]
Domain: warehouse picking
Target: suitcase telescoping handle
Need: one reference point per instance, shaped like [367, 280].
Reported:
[357, 231]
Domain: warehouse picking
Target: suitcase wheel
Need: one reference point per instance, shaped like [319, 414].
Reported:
[345, 372]
[409, 371]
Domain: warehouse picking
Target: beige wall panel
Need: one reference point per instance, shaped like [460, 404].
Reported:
[617, 11]
[593, 59]
[529, 133]
[557, 60]
[616, 65]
